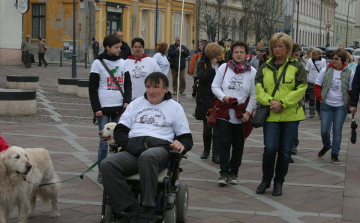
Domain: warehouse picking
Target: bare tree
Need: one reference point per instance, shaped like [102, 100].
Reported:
[208, 15]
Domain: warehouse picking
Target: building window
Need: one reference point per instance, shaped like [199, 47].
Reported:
[158, 25]
[176, 31]
[38, 20]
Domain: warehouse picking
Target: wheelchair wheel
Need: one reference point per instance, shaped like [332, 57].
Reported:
[182, 201]
[170, 215]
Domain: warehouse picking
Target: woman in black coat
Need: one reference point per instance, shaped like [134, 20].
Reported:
[206, 70]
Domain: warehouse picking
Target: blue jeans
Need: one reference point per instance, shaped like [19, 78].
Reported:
[103, 146]
[337, 116]
[278, 139]
[230, 135]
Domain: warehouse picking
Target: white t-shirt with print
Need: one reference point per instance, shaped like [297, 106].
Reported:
[334, 96]
[109, 95]
[310, 67]
[233, 85]
[138, 72]
[161, 121]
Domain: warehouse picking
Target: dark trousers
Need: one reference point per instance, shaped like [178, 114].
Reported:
[42, 58]
[26, 58]
[278, 139]
[310, 96]
[114, 170]
[194, 86]
[95, 54]
[174, 73]
[207, 131]
[230, 135]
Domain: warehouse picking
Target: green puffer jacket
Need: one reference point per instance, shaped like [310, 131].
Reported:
[291, 89]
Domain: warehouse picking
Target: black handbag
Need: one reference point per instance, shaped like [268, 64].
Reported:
[263, 112]
[32, 58]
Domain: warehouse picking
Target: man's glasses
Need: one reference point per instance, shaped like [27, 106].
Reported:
[335, 58]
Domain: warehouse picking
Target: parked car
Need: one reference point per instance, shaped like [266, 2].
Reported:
[350, 50]
[329, 50]
[357, 55]
[321, 48]
[355, 47]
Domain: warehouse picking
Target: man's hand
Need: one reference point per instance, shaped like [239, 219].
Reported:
[245, 117]
[276, 106]
[98, 113]
[125, 105]
[353, 110]
[176, 145]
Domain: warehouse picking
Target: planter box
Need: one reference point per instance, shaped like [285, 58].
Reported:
[17, 102]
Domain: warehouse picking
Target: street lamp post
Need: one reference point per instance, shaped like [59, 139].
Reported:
[320, 22]
[246, 5]
[73, 73]
[297, 20]
[156, 23]
[218, 34]
[347, 21]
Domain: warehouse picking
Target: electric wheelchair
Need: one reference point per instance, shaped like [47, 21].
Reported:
[171, 199]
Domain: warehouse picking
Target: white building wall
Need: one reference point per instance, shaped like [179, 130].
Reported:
[309, 22]
[11, 33]
[357, 24]
[344, 9]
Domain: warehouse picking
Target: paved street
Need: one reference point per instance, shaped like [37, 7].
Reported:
[315, 190]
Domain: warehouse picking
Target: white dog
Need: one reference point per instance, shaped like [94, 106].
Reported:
[21, 170]
[107, 134]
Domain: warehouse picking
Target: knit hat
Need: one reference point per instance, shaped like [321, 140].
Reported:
[3, 145]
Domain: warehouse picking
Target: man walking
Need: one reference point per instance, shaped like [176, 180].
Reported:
[26, 51]
[124, 47]
[355, 91]
[174, 51]
[95, 48]
[41, 51]
[255, 62]
[193, 64]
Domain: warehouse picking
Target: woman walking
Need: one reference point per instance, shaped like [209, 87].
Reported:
[139, 66]
[41, 50]
[206, 70]
[234, 86]
[161, 59]
[107, 101]
[285, 109]
[332, 88]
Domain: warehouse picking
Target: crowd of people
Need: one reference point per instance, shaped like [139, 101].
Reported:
[132, 89]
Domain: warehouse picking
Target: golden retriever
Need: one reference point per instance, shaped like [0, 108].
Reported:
[107, 134]
[21, 171]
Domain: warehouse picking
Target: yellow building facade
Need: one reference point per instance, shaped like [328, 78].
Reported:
[53, 20]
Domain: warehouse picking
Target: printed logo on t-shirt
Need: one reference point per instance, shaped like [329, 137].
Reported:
[236, 82]
[111, 86]
[151, 116]
[138, 73]
[335, 84]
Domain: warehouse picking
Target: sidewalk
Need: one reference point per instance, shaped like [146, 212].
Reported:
[315, 190]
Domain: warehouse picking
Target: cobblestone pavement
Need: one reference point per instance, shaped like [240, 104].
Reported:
[315, 190]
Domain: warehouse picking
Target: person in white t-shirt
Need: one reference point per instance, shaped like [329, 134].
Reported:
[234, 80]
[139, 66]
[107, 101]
[146, 133]
[161, 59]
[313, 68]
[332, 88]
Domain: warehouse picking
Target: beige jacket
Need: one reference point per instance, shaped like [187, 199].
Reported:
[41, 47]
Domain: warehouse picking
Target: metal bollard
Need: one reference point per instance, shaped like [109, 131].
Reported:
[60, 58]
[85, 59]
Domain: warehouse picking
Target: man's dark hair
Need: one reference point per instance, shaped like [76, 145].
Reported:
[221, 43]
[240, 43]
[93, 38]
[137, 40]
[154, 78]
[296, 48]
[204, 41]
[39, 38]
[110, 40]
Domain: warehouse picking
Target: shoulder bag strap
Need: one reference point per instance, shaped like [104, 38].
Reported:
[278, 80]
[113, 77]
[315, 66]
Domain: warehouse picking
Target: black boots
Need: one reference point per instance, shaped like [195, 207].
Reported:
[277, 191]
[207, 147]
[262, 187]
[215, 152]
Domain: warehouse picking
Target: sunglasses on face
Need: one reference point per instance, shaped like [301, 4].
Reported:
[336, 58]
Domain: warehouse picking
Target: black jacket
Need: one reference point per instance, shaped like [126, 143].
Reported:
[173, 54]
[205, 95]
[94, 81]
[137, 145]
[125, 50]
[355, 88]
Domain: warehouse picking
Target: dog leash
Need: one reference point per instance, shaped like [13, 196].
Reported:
[72, 178]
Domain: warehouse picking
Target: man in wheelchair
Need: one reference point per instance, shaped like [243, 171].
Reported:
[146, 133]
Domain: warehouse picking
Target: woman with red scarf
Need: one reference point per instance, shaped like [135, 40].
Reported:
[139, 66]
[332, 89]
[234, 84]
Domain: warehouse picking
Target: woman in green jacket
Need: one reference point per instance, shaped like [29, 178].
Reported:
[285, 109]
